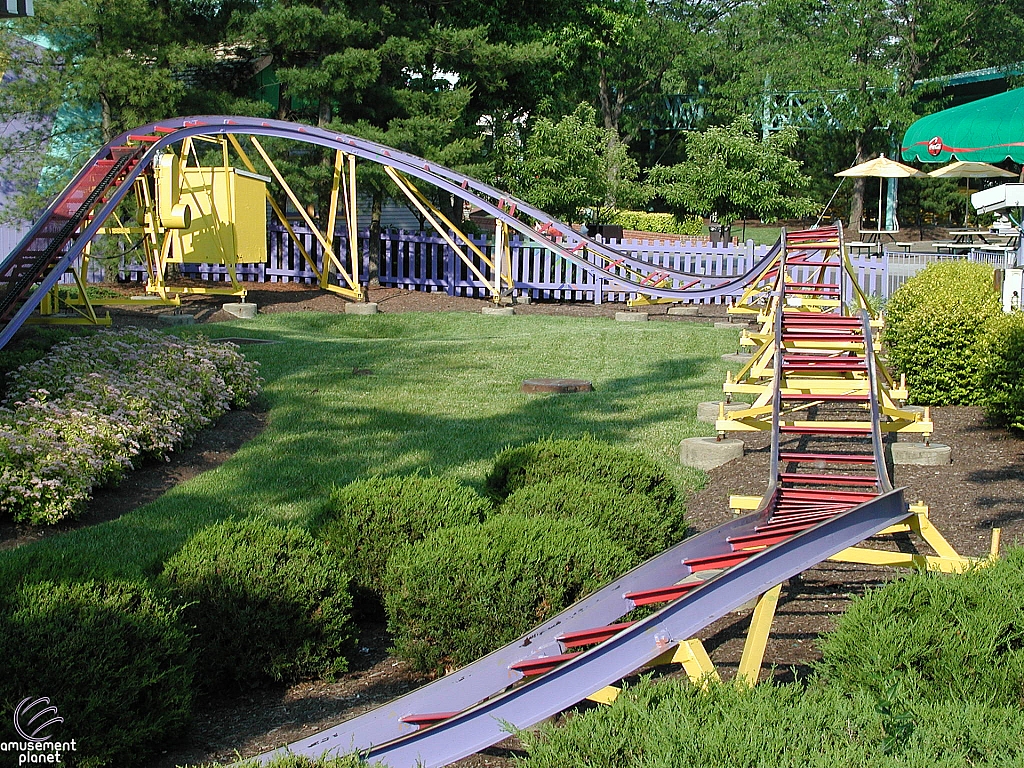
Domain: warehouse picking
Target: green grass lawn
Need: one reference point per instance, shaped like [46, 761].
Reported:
[443, 397]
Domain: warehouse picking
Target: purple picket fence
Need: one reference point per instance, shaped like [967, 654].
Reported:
[424, 262]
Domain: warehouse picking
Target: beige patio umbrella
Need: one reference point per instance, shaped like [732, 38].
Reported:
[966, 169]
[883, 168]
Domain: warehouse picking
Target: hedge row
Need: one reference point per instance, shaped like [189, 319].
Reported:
[366, 521]
[935, 326]
[665, 223]
[778, 726]
[946, 331]
[242, 603]
[93, 406]
[458, 575]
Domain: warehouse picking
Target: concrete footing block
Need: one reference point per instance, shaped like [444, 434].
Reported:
[498, 311]
[709, 452]
[737, 357]
[921, 455]
[243, 311]
[727, 324]
[687, 311]
[171, 319]
[708, 410]
[632, 317]
[361, 308]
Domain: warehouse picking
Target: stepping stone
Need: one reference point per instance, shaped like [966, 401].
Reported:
[556, 385]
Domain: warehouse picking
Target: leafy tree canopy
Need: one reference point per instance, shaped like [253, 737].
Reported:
[730, 173]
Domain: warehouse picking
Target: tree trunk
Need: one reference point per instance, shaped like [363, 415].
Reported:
[857, 199]
[106, 121]
[376, 209]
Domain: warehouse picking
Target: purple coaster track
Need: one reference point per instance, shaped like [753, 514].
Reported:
[492, 201]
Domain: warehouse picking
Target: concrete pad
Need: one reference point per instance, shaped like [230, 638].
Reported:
[632, 317]
[170, 319]
[708, 410]
[709, 452]
[524, 300]
[556, 385]
[243, 311]
[498, 311]
[361, 308]
[737, 357]
[687, 311]
[727, 324]
[921, 455]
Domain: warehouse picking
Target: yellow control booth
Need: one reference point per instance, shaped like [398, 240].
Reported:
[215, 215]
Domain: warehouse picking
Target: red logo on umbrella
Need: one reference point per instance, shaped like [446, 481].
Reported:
[935, 146]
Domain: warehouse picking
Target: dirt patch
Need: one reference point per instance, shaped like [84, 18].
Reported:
[983, 488]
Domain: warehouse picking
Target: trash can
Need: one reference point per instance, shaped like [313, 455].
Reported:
[720, 233]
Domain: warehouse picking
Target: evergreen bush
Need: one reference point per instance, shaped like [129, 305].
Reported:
[267, 603]
[673, 723]
[583, 458]
[629, 519]
[113, 658]
[462, 592]
[936, 636]
[1003, 373]
[365, 521]
[935, 327]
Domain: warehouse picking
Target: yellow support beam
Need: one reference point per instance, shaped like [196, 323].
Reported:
[606, 695]
[329, 254]
[757, 636]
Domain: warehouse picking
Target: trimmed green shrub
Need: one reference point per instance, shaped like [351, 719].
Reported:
[1003, 372]
[365, 521]
[936, 636]
[669, 723]
[112, 657]
[629, 519]
[267, 603]
[934, 331]
[665, 223]
[586, 459]
[462, 592]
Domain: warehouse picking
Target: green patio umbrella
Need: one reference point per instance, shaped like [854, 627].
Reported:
[987, 130]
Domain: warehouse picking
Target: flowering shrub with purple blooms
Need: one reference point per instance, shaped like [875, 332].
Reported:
[82, 415]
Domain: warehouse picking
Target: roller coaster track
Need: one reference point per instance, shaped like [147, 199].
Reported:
[72, 220]
[805, 517]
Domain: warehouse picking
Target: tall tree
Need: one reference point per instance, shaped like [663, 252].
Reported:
[731, 173]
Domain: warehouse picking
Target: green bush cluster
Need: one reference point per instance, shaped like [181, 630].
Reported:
[365, 521]
[664, 223]
[586, 459]
[1003, 371]
[462, 592]
[935, 328]
[667, 723]
[114, 658]
[267, 603]
[938, 637]
[627, 518]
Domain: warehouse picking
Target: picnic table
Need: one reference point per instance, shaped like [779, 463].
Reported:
[970, 236]
[877, 235]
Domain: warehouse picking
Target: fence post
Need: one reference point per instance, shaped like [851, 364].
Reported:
[449, 269]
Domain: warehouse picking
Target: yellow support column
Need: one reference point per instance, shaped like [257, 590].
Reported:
[757, 636]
